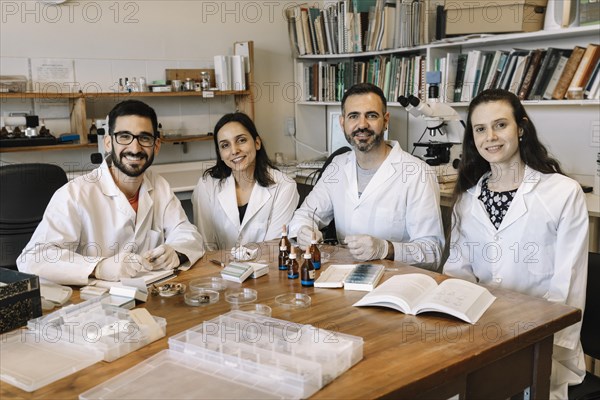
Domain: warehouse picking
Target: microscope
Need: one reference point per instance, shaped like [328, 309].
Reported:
[441, 119]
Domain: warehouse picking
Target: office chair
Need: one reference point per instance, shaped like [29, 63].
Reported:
[25, 190]
[329, 232]
[589, 389]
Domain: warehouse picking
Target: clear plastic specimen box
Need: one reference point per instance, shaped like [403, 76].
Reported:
[73, 338]
[252, 356]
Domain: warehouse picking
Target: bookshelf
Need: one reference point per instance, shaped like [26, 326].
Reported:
[568, 127]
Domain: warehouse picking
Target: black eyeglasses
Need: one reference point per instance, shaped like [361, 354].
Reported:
[125, 138]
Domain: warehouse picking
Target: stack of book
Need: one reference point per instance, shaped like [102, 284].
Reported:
[540, 74]
[354, 26]
[396, 75]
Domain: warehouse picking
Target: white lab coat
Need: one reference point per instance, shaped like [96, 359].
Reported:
[401, 204]
[540, 249]
[217, 217]
[89, 219]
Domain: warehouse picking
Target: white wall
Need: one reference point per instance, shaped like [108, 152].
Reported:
[110, 39]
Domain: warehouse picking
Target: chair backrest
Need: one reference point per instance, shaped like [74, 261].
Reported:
[590, 329]
[25, 190]
[329, 159]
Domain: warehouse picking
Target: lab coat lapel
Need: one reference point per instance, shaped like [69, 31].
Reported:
[110, 189]
[258, 198]
[518, 207]
[350, 175]
[227, 200]
[145, 206]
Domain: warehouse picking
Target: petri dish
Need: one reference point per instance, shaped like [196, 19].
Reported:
[239, 297]
[293, 300]
[260, 309]
[212, 283]
[201, 297]
[168, 289]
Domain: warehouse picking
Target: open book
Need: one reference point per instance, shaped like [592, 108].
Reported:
[417, 293]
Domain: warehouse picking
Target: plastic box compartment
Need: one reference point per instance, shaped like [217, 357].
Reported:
[304, 358]
[20, 299]
[174, 375]
[93, 324]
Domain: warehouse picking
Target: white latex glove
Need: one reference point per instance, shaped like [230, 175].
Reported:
[162, 257]
[304, 236]
[122, 265]
[365, 247]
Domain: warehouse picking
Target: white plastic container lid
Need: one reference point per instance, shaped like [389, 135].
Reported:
[29, 362]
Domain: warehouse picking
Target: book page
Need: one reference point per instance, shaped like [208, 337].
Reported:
[401, 292]
[460, 298]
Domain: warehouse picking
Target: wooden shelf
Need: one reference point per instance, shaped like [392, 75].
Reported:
[40, 95]
[49, 147]
[185, 139]
[31, 95]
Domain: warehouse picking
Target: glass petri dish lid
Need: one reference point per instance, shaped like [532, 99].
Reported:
[212, 283]
[239, 297]
[201, 297]
[260, 309]
[293, 300]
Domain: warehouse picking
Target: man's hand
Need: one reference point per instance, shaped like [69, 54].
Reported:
[365, 247]
[122, 265]
[304, 236]
[162, 257]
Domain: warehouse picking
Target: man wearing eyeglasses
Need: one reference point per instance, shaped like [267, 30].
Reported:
[119, 220]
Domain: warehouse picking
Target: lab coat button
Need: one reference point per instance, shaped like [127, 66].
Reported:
[496, 238]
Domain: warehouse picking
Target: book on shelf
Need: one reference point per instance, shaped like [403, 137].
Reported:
[553, 82]
[416, 293]
[447, 92]
[497, 68]
[591, 89]
[532, 70]
[546, 70]
[483, 71]
[363, 277]
[521, 65]
[570, 68]
[460, 75]
[469, 75]
[586, 66]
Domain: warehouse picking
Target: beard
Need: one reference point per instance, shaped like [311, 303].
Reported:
[131, 171]
[364, 145]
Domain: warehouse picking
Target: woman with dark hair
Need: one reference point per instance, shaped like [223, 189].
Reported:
[518, 222]
[244, 198]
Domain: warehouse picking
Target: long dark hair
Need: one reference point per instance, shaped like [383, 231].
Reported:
[534, 154]
[261, 169]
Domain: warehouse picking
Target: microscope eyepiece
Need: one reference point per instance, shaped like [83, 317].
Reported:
[414, 101]
[403, 101]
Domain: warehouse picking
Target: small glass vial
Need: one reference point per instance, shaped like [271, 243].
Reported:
[285, 239]
[315, 253]
[292, 265]
[283, 256]
[307, 270]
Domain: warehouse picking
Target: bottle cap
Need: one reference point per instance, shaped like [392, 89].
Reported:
[307, 253]
[292, 253]
[282, 245]
[284, 230]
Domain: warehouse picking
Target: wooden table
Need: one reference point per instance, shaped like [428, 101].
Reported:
[427, 356]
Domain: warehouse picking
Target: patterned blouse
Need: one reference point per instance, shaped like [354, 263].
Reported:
[496, 203]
